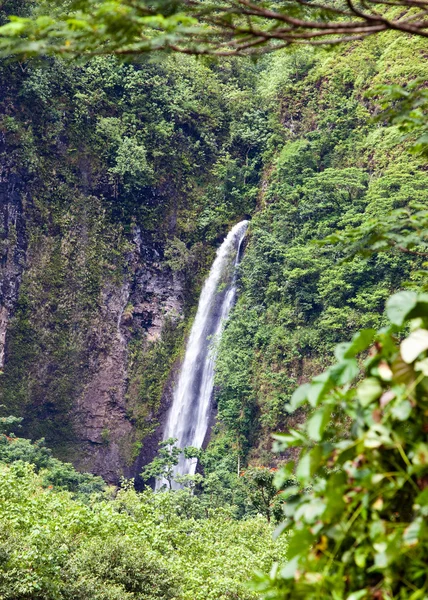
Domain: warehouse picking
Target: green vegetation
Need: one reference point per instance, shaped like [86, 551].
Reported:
[114, 164]
[122, 178]
[59, 541]
[357, 512]
[335, 189]
[52, 471]
[219, 28]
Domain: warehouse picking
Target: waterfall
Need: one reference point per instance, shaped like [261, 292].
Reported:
[189, 416]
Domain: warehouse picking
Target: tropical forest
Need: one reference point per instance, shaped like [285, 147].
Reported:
[214, 300]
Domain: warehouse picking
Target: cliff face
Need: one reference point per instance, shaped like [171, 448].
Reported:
[12, 249]
[74, 374]
[84, 296]
[137, 309]
[114, 191]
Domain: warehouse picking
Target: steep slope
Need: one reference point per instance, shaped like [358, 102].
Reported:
[117, 182]
[332, 168]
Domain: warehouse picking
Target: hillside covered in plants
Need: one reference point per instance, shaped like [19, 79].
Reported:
[333, 174]
[118, 182]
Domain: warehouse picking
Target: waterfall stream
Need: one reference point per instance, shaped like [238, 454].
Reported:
[190, 412]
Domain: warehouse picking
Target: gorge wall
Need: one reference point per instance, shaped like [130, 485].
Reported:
[106, 234]
[67, 365]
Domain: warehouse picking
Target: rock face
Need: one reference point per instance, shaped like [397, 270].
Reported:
[101, 434]
[13, 245]
[90, 312]
[104, 430]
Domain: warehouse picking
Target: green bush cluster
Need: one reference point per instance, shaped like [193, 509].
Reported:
[53, 472]
[123, 545]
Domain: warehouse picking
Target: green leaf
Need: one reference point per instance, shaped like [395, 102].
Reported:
[281, 528]
[289, 570]
[387, 551]
[357, 595]
[420, 455]
[299, 397]
[300, 542]
[421, 308]
[422, 498]
[418, 595]
[345, 371]
[414, 345]
[303, 471]
[319, 386]
[360, 341]
[377, 530]
[288, 440]
[361, 555]
[308, 464]
[317, 423]
[377, 436]
[402, 410]
[402, 372]
[291, 490]
[422, 366]
[400, 305]
[14, 28]
[413, 532]
[341, 350]
[369, 390]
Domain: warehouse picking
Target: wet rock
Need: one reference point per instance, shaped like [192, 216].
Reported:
[148, 296]
[13, 246]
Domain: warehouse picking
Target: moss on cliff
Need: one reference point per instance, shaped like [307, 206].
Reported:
[116, 161]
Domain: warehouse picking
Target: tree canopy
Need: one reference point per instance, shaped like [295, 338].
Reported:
[219, 27]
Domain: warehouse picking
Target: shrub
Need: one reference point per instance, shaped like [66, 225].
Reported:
[357, 515]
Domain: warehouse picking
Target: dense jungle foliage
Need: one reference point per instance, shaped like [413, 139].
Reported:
[110, 157]
[66, 535]
[174, 151]
[333, 169]
[356, 513]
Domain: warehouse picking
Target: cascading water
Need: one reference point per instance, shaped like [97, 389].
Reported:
[189, 415]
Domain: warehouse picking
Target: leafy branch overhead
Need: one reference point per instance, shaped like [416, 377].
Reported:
[222, 27]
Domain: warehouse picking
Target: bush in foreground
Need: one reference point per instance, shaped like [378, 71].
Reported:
[357, 516]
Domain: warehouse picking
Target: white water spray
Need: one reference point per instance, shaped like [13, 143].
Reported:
[189, 416]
